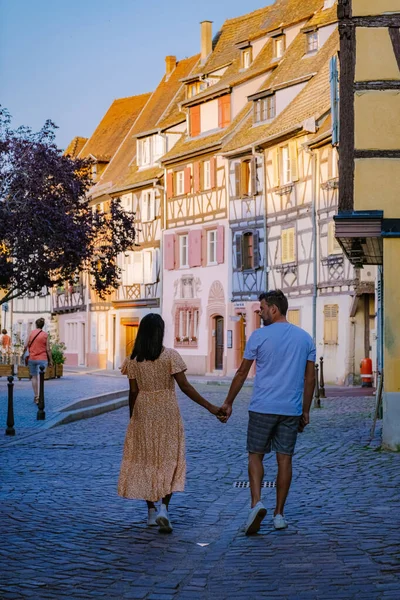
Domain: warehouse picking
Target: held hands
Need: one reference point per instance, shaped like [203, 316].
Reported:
[224, 412]
[219, 412]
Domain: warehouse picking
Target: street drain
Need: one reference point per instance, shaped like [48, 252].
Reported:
[246, 484]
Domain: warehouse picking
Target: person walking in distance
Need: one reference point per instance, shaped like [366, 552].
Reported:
[38, 346]
[280, 404]
[153, 464]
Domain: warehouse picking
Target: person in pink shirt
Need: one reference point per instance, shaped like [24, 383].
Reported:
[38, 346]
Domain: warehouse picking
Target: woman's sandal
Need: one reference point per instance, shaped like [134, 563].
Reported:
[36, 399]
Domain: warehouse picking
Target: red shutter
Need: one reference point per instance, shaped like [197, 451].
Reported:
[220, 243]
[177, 252]
[224, 110]
[187, 180]
[213, 172]
[194, 120]
[170, 185]
[194, 240]
[196, 176]
[169, 251]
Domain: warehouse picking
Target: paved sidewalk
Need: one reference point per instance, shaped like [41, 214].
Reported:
[66, 534]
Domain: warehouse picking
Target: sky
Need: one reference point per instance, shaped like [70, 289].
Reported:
[68, 60]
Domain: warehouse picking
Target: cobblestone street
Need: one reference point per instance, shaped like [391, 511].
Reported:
[66, 533]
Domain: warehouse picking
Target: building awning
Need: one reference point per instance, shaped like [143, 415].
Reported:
[360, 234]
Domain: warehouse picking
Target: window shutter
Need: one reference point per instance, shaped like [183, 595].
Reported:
[220, 243]
[187, 180]
[275, 161]
[239, 251]
[256, 249]
[237, 180]
[155, 263]
[196, 176]
[195, 121]
[148, 266]
[331, 321]
[253, 174]
[244, 178]
[194, 241]
[169, 251]
[294, 170]
[333, 244]
[293, 316]
[137, 267]
[170, 185]
[204, 248]
[284, 246]
[224, 110]
[213, 172]
[152, 206]
[290, 245]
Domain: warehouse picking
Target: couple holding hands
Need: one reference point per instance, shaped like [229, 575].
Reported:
[153, 464]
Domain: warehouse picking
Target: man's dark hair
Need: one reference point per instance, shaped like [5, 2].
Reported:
[149, 340]
[276, 298]
[40, 323]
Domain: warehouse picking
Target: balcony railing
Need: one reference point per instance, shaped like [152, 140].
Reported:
[137, 291]
[69, 298]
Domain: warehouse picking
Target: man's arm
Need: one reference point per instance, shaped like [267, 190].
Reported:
[48, 351]
[309, 386]
[133, 394]
[236, 385]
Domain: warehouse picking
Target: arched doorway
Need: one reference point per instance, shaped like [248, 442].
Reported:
[219, 342]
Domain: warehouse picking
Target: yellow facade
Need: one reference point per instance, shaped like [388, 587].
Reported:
[377, 185]
[363, 8]
[377, 120]
[375, 58]
[391, 261]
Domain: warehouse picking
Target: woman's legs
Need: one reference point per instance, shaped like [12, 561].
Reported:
[35, 385]
[150, 504]
[166, 499]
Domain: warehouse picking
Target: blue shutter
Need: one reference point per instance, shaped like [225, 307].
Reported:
[334, 85]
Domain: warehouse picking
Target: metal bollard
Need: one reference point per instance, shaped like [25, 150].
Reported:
[317, 397]
[41, 415]
[10, 408]
[321, 378]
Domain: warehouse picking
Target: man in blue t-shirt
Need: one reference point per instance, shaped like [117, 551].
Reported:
[280, 404]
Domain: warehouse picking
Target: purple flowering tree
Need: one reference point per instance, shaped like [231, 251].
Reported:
[49, 233]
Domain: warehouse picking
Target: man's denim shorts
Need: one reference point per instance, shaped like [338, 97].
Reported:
[271, 432]
[34, 366]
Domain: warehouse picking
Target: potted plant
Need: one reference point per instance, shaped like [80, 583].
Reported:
[59, 358]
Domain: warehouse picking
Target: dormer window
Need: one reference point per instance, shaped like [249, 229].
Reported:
[149, 150]
[246, 58]
[264, 109]
[279, 46]
[312, 41]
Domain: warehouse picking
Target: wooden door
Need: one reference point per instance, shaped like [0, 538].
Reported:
[219, 343]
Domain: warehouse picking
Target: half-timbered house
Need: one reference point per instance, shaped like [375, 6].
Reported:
[73, 303]
[368, 223]
[136, 177]
[197, 268]
[290, 127]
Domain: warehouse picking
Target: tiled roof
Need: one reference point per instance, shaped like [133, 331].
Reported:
[160, 110]
[186, 145]
[75, 146]
[312, 101]
[163, 95]
[324, 17]
[114, 126]
[297, 64]
[134, 177]
[286, 12]
[233, 31]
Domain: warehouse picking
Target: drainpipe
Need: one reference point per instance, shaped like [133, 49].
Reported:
[314, 157]
[264, 192]
[161, 188]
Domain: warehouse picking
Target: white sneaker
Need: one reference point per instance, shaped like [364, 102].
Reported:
[280, 522]
[152, 517]
[163, 521]
[256, 516]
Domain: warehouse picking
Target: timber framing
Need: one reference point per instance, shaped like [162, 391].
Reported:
[347, 34]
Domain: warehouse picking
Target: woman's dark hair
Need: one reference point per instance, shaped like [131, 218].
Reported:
[276, 298]
[149, 339]
[40, 323]
[4, 331]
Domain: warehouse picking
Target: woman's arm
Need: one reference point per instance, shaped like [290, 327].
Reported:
[191, 393]
[133, 394]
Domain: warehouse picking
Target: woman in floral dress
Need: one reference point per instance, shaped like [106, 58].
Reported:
[153, 463]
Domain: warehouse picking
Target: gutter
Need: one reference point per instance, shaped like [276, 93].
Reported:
[267, 140]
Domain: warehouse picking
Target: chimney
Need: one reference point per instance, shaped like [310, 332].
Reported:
[170, 64]
[205, 39]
